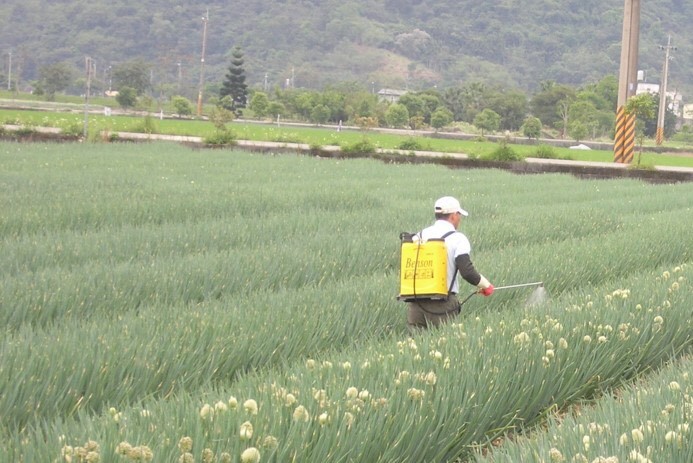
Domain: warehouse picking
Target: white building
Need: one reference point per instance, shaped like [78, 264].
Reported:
[688, 112]
[390, 95]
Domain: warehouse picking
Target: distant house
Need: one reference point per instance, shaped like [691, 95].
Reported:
[688, 112]
[390, 95]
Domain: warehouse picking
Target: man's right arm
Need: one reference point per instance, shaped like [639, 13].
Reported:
[469, 273]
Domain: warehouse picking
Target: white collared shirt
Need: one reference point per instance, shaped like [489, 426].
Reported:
[457, 244]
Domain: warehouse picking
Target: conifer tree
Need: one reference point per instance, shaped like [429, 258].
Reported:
[234, 86]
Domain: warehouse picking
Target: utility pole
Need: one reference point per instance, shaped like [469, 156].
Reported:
[180, 75]
[90, 67]
[663, 92]
[624, 141]
[9, 71]
[205, 18]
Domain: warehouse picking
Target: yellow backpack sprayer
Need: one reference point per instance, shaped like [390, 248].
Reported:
[423, 272]
[423, 268]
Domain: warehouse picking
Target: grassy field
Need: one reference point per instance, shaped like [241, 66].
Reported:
[168, 304]
[317, 136]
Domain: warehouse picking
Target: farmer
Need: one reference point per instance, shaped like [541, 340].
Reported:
[422, 313]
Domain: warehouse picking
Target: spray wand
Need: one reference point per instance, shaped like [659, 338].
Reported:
[540, 285]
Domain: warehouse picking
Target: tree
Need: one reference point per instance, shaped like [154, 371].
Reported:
[545, 104]
[414, 103]
[510, 106]
[259, 104]
[320, 114]
[453, 98]
[276, 109]
[474, 96]
[488, 120]
[127, 97]
[441, 117]
[219, 117]
[585, 113]
[643, 108]
[577, 130]
[431, 102]
[650, 129]
[182, 105]
[397, 115]
[416, 122]
[134, 74]
[223, 135]
[334, 100]
[531, 128]
[234, 84]
[55, 78]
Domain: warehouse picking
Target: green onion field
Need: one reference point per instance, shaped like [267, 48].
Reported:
[168, 304]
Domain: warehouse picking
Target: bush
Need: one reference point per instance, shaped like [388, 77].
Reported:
[683, 137]
[221, 138]
[182, 105]
[641, 166]
[74, 129]
[410, 144]
[531, 128]
[127, 97]
[545, 152]
[360, 147]
[505, 153]
[148, 125]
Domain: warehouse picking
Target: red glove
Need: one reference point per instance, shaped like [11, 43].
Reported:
[487, 291]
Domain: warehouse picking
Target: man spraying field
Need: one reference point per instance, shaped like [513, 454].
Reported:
[431, 260]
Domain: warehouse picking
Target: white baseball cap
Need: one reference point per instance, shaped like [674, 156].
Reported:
[449, 205]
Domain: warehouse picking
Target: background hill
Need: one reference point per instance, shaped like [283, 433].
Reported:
[410, 44]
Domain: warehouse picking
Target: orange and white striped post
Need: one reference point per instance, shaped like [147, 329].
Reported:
[624, 139]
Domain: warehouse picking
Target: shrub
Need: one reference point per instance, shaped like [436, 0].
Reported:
[74, 129]
[639, 166]
[545, 152]
[410, 144]
[182, 105]
[316, 149]
[286, 138]
[441, 117]
[221, 138]
[683, 137]
[25, 131]
[127, 97]
[360, 147]
[148, 125]
[531, 128]
[504, 152]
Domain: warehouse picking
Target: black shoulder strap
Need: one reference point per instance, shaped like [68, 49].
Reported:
[452, 283]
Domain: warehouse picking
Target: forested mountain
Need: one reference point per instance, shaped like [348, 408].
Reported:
[401, 44]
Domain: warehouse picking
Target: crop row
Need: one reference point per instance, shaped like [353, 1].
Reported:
[648, 421]
[239, 263]
[459, 387]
